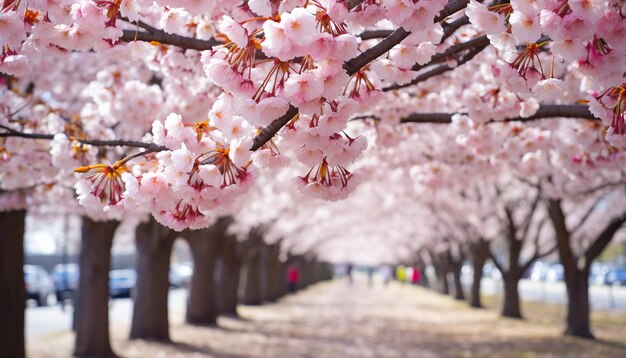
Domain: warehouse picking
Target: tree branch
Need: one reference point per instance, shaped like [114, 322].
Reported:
[576, 111]
[528, 220]
[587, 214]
[477, 42]
[603, 239]
[95, 142]
[356, 64]
[439, 69]
[270, 130]
[160, 36]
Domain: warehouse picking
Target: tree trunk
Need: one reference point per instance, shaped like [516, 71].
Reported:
[251, 294]
[511, 301]
[229, 281]
[577, 320]
[13, 295]
[282, 278]
[441, 272]
[271, 273]
[150, 315]
[92, 306]
[201, 305]
[478, 262]
[480, 254]
[578, 305]
[458, 287]
[456, 266]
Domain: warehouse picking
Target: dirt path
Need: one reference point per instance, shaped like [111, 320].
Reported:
[336, 320]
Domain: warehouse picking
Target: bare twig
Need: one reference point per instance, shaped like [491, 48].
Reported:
[439, 69]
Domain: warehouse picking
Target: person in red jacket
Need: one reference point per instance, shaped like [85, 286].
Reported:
[417, 276]
[292, 278]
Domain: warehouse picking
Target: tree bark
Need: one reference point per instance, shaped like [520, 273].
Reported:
[456, 267]
[511, 274]
[578, 309]
[271, 272]
[13, 297]
[92, 306]
[458, 287]
[251, 294]
[576, 269]
[480, 253]
[229, 281]
[201, 304]
[511, 301]
[441, 272]
[150, 314]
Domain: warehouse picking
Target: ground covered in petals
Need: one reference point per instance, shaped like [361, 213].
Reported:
[335, 319]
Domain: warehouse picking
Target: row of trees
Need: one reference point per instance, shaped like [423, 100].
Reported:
[517, 225]
[486, 121]
[227, 271]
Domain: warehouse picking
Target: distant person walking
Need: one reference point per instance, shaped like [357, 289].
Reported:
[349, 272]
[400, 273]
[416, 277]
[293, 276]
[385, 271]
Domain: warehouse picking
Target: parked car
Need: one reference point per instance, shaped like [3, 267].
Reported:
[616, 276]
[39, 285]
[539, 271]
[598, 272]
[180, 274]
[65, 280]
[122, 282]
[555, 273]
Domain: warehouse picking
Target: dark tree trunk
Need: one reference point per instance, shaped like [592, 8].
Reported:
[441, 265]
[456, 265]
[271, 270]
[576, 278]
[511, 274]
[478, 263]
[578, 309]
[511, 301]
[229, 280]
[442, 280]
[13, 296]
[282, 279]
[150, 315]
[458, 287]
[201, 305]
[251, 294]
[480, 253]
[92, 306]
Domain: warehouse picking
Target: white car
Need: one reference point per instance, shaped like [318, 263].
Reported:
[39, 285]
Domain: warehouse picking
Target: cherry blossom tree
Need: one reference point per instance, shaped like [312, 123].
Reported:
[177, 108]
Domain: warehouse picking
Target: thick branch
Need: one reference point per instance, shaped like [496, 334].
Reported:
[604, 238]
[357, 63]
[528, 220]
[587, 214]
[163, 37]
[495, 262]
[268, 132]
[575, 111]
